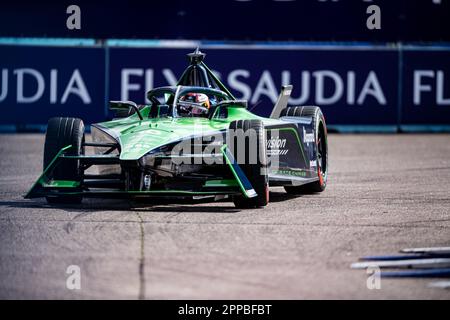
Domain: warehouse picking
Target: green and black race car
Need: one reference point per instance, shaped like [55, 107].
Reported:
[193, 140]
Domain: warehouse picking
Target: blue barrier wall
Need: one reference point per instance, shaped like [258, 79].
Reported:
[358, 87]
[41, 82]
[425, 88]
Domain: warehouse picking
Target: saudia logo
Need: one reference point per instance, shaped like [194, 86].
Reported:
[30, 86]
[275, 146]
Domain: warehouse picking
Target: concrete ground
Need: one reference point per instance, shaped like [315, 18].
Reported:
[385, 192]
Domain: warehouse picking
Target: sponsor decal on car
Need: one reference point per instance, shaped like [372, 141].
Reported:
[291, 172]
[276, 146]
[308, 137]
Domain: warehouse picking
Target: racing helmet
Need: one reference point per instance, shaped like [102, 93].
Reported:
[200, 99]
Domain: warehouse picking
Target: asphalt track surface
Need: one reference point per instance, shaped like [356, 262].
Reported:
[385, 192]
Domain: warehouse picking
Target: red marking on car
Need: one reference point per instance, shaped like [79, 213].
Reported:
[320, 176]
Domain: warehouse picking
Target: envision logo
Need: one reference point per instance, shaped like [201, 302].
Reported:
[26, 78]
[276, 147]
[276, 143]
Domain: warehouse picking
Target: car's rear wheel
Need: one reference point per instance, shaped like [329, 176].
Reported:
[321, 146]
[62, 132]
[252, 136]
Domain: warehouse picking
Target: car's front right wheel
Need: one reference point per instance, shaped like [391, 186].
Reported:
[250, 136]
[62, 132]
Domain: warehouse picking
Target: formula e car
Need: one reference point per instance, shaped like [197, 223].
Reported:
[192, 140]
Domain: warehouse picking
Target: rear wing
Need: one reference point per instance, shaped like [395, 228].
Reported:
[282, 101]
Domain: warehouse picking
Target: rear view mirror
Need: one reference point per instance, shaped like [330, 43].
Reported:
[163, 110]
[160, 110]
[125, 107]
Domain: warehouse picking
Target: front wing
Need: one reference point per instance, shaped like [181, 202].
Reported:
[47, 186]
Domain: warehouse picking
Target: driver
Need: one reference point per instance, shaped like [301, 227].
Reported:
[194, 104]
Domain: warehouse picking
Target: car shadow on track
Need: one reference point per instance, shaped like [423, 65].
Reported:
[280, 196]
[97, 205]
[152, 205]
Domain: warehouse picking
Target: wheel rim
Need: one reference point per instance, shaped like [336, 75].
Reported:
[322, 154]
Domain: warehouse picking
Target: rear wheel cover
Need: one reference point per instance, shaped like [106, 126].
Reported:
[321, 146]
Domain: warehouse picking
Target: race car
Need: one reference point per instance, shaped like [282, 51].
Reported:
[194, 140]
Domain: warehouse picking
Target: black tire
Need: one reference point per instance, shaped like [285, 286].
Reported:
[62, 132]
[248, 131]
[320, 130]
